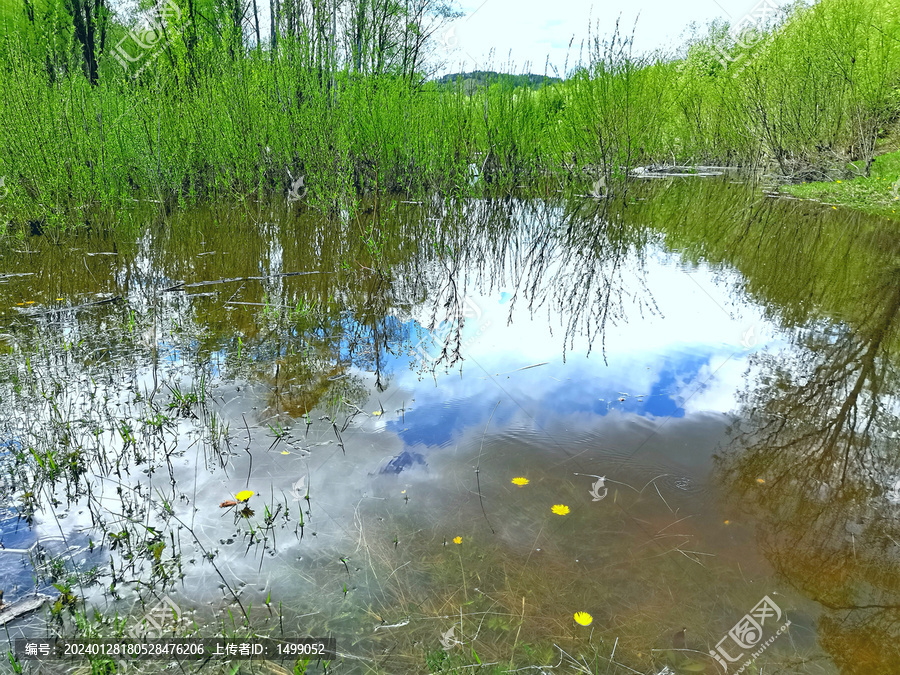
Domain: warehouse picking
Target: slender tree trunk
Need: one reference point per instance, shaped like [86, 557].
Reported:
[83, 22]
[359, 29]
[273, 12]
[256, 22]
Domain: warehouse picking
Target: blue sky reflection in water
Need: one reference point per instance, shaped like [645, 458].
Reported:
[399, 461]
[685, 359]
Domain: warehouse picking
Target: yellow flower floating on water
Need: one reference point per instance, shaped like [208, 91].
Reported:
[560, 509]
[244, 495]
[520, 481]
[583, 618]
[457, 540]
[377, 413]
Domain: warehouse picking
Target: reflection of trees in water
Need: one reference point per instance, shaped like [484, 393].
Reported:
[815, 460]
[799, 261]
[580, 265]
[819, 424]
[362, 281]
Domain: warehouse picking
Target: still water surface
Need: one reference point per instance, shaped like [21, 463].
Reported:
[463, 424]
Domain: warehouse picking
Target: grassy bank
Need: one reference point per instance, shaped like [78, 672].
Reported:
[210, 112]
[877, 193]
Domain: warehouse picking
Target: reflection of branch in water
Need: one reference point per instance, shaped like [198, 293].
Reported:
[813, 461]
[576, 264]
[605, 248]
[825, 404]
[447, 325]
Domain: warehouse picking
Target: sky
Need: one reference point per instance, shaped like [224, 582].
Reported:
[529, 31]
[519, 35]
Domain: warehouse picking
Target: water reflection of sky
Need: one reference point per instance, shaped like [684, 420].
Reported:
[683, 360]
[651, 402]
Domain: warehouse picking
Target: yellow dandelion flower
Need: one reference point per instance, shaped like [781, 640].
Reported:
[839, 181]
[583, 618]
[560, 509]
[760, 480]
[457, 540]
[377, 413]
[285, 452]
[244, 495]
[728, 522]
[520, 481]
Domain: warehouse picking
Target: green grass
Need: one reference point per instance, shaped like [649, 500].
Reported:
[212, 119]
[879, 193]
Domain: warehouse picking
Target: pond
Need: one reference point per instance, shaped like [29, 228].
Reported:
[560, 435]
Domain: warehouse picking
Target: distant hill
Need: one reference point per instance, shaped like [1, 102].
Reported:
[481, 78]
